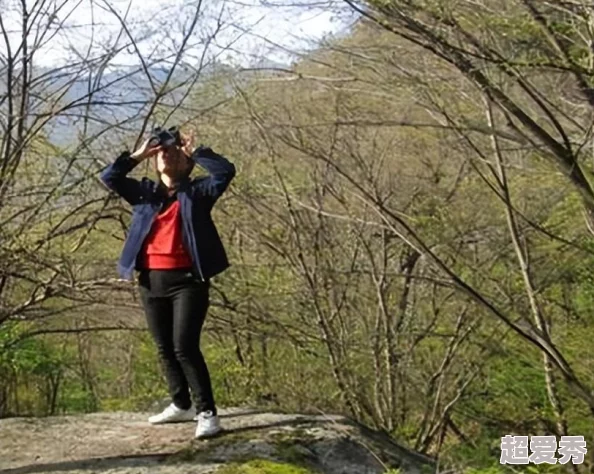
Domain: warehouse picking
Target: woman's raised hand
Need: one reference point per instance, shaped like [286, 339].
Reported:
[145, 150]
[188, 143]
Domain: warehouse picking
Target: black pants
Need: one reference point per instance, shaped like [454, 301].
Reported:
[175, 304]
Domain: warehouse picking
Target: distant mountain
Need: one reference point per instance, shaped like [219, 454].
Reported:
[268, 64]
[97, 99]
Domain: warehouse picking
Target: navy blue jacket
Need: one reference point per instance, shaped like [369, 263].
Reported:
[196, 198]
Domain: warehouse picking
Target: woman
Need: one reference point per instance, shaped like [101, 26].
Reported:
[173, 243]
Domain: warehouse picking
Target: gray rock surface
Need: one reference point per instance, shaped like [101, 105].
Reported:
[125, 443]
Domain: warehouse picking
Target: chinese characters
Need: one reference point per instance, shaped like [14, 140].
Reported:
[542, 449]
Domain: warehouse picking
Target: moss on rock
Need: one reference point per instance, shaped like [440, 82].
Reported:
[263, 466]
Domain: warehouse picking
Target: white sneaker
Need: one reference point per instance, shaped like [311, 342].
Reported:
[208, 424]
[173, 414]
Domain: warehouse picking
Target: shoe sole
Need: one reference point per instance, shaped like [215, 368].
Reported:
[210, 435]
[185, 420]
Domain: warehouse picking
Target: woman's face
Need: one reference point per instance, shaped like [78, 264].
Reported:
[172, 162]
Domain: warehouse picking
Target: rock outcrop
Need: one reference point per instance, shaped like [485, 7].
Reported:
[253, 442]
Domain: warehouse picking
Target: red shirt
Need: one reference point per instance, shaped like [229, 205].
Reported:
[163, 247]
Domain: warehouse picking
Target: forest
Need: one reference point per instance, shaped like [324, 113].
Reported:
[410, 229]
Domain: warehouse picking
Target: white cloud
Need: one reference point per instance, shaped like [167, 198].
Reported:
[249, 29]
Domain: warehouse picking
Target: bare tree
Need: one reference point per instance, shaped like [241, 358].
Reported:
[61, 122]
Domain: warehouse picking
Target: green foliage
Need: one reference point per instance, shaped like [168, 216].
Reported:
[488, 470]
[299, 321]
[32, 366]
[531, 469]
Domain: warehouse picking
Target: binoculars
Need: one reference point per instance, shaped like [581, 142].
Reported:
[165, 137]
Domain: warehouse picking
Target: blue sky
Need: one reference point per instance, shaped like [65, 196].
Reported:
[248, 29]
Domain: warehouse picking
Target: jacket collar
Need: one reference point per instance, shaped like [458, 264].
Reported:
[181, 186]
